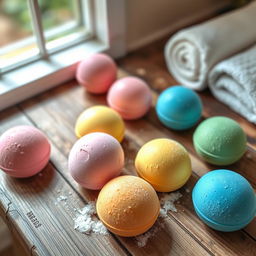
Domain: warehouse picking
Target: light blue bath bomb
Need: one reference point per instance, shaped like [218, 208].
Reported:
[224, 200]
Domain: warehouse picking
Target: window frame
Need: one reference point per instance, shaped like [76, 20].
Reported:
[106, 18]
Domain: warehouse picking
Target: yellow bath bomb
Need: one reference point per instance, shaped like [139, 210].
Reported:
[164, 163]
[100, 119]
[128, 206]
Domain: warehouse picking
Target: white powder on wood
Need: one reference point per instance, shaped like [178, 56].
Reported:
[87, 221]
[62, 198]
[142, 240]
[167, 203]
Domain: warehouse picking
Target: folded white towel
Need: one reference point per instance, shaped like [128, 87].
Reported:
[233, 81]
[192, 52]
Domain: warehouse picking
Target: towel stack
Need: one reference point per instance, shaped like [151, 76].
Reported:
[220, 53]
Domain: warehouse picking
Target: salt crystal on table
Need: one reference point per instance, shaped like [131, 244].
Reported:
[62, 198]
[167, 203]
[143, 238]
[87, 221]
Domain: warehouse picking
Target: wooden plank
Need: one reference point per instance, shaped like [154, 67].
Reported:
[149, 64]
[37, 197]
[137, 133]
[47, 113]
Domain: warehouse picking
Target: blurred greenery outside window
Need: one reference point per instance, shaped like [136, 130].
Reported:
[60, 20]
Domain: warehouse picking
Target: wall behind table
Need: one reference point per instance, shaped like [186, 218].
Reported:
[149, 20]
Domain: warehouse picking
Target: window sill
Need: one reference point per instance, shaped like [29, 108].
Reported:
[42, 75]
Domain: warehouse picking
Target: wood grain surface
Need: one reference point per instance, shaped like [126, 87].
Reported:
[55, 113]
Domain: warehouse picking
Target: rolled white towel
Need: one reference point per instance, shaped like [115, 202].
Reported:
[233, 81]
[192, 52]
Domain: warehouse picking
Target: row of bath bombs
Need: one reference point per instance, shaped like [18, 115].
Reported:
[223, 199]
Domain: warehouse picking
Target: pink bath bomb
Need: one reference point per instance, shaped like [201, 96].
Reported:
[24, 151]
[131, 97]
[95, 159]
[97, 73]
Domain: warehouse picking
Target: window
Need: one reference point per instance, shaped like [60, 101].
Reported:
[41, 41]
[33, 29]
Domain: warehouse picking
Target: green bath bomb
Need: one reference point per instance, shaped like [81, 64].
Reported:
[220, 140]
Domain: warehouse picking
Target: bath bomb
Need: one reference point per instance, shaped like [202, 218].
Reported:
[130, 97]
[179, 108]
[24, 151]
[164, 163]
[95, 159]
[100, 119]
[97, 73]
[128, 206]
[224, 200]
[220, 140]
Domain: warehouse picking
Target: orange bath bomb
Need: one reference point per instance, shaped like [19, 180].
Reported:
[128, 206]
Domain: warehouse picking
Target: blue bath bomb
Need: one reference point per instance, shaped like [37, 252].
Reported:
[179, 108]
[224, 200]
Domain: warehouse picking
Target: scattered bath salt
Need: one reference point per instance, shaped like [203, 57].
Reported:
[143, 239]
[167, 203]
[62, 198]
[70, 193]
[187, 190]
[87, 221]
[141, 71]
[249, 156]
[160, 81]
[58, 191]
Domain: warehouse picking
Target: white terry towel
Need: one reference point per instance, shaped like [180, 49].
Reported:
[233, 81]
[192, 52]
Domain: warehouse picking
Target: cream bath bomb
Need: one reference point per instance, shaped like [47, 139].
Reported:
[164, 163]
[95, 159]
[128, 206]
[24, 151]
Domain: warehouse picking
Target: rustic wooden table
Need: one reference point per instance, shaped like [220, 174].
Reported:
[40, 226]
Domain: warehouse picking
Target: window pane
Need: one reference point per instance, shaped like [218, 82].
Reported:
[17, 42]
[61, 20]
